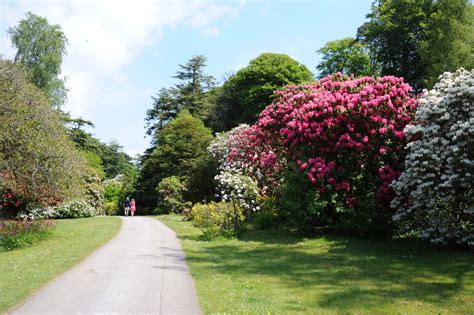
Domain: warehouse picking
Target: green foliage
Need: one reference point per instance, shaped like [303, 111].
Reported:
[181, 152]
[300, 205]
[346, 56]
[192, 93]
[37, 159]
[267, 216]
[16, 234]
[215, 219]
[250, 90]
[108, 160]
[41, 48]
[419, 40]
[171, 190]
[94, 161]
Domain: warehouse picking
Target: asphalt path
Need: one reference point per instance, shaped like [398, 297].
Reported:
[142, 270]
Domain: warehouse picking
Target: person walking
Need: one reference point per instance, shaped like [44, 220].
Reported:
[132, 207]
[127, 206]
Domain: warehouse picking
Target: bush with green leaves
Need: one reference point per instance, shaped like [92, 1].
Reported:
[435, 194]
[217, 219]
[171, 190]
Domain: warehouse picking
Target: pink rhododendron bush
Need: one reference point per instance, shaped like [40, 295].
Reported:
[346, 136]
[434, 195]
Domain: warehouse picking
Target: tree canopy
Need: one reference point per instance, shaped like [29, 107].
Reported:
[181, 151]
[247, 92]
[347, 56]
[41, 48]
[190, 93]
[37, 159]
[419, 40]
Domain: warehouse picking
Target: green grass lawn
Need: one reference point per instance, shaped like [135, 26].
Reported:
[25, 270]
[271, 271]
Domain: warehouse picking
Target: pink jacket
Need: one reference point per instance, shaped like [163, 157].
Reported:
[132, 205]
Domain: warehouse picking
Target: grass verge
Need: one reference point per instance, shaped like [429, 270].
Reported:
[274, 272]
[25, 270]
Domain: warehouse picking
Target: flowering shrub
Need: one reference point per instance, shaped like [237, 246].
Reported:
[346, 136]
[247, 150]
[71, 209]
[10, 203]
[240, 190]
[15, 234]
[233, 183]
[37, 213]
[434, 195]
[75, 209]
[216, 219]
[171, 190]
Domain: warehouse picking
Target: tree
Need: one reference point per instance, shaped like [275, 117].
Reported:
[37, 159]
[190, 93]
[419, 40]
[181, 152]
[247, 92]
[41, 48]
[347, 56]
[107, 159]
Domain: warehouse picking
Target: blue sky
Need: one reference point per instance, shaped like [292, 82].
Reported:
[122, 52]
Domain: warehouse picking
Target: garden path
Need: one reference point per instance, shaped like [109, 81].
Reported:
[141, 270]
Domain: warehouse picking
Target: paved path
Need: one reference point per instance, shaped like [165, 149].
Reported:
[141, 270]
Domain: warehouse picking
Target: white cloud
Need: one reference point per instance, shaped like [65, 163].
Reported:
[106, 35]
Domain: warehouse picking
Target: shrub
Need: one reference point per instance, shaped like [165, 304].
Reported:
[111, 208]
[10, 202]
[434, 195]
[36, 212]
[15, 234]
[240, 190]
[75, 209]
[216, 219]
[267, 216]
[171, 191]
[346, 136]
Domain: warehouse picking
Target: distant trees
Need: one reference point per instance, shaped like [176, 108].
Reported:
[419, 40]
[250, 90]
[181, 152]
[107, 159]
[347, 56]
[192, 92]
[38, 161]
[41, 48]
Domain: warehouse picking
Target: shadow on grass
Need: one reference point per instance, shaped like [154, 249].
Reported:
[346, 272]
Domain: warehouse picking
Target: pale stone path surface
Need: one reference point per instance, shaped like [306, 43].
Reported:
[142, 270]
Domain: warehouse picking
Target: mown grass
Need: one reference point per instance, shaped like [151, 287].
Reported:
[274, 272]
[25, 270]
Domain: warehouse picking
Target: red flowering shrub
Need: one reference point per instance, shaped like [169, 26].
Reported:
[346, 135]
[10, 203]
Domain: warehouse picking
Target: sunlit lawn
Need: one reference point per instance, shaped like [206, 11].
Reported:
[25, 270]
[270, 271]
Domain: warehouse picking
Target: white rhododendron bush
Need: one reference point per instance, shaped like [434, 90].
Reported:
[434, 195]
[233, 183]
